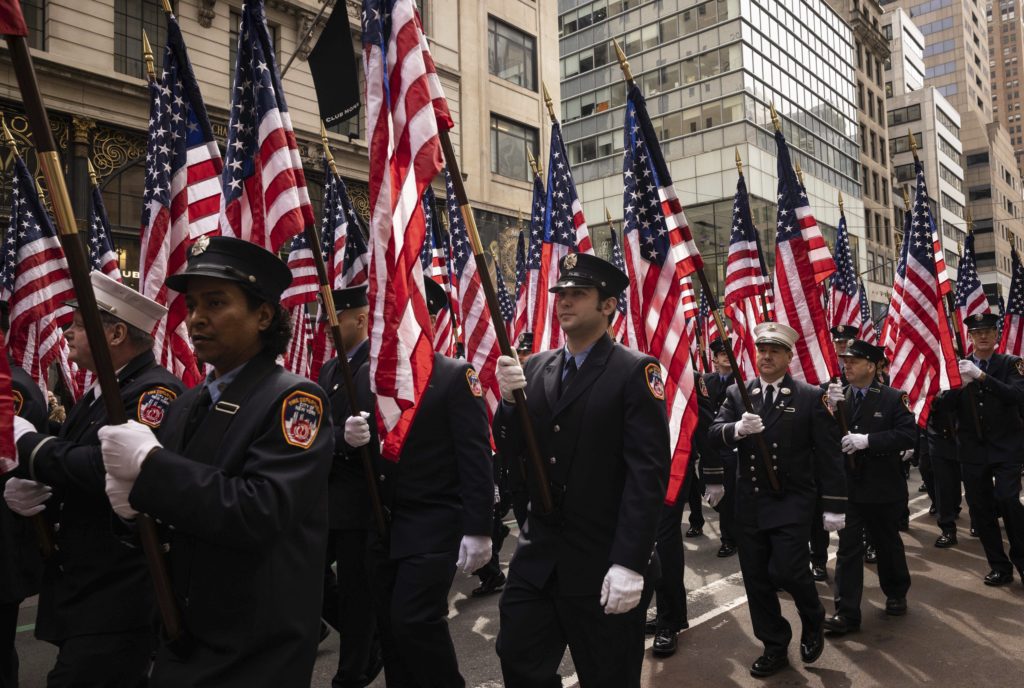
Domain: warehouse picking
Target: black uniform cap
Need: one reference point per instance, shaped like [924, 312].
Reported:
[256, 269]
[585, 270]
[525, 343]
[436, 296]
[843, 332]
[351, 297]
[717, 346]
[981, 321]
[858, 348]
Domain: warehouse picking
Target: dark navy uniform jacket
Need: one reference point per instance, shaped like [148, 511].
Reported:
[95, 583]
[606, 445]
[803, 441]
[875, 474]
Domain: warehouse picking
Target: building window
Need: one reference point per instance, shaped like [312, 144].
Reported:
[35, 20]
[509, 144]
[236, 19]
[131, 18]
[511, 54]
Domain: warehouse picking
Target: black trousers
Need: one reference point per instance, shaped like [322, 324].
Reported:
[693, 488]
[359, 643]
[727, 507]
[819, 538]
[499, 531]
[778, 558]
[108, 660]
[670, 590]
[993, 490]
[411, 600]
[537, 624]
[8, 655]
[881, 522]
[946, 481]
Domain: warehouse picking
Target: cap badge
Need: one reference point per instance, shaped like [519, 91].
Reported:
[570, 261]
[201, 245]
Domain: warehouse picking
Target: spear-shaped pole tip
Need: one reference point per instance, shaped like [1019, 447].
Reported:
[623, 62]
[147, 55]
[8, 137]
[906, 197]
[548, 102]
[840, 202]
[799, 174]
[913, 143]
[92, 173]
[607, 215]
[739, 162]
[775, 117]
[167, 7]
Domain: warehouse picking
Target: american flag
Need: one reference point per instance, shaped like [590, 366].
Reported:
[1002, 312]
[867, 330]
[924, 360]
[970, 297]
[505, 302]
[345, 257]
[891, 325]
[436, 261]
[565, 232]
[35, 282]
[843, 303]
[659, 256]
[265, 198]
[527, 300]
[621, 322]
[181, 200]
[802, 261]
[746, 282]
[482, 349]
[705, 329]
[520, 272]
[304, 288]
[406, 110]
[1012, 338]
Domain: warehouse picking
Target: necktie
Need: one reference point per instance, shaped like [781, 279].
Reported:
[568, 374]
[199, 410]
[858, 397]
[983, 365]
[769, 397]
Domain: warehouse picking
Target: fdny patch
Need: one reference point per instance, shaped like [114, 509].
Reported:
[473, 380]
[824, 402]
[153, 406]
[906, 401]
[652, 373]
[703, 388]
[19, 402]
[301, 414]
[1020, 367]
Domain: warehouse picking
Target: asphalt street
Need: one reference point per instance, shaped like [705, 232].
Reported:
[958, 632]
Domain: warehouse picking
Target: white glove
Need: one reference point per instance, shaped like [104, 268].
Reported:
[714, 494]
[907, 454]
[621, 590]
[474, 552]
[835, 394]
[117, 493]
[21, 428]
[749, 424]
[26, 497]
[969, 370]
[510, 377]
[125, 447]
[833, 522]
[357, 430]
[854, 442]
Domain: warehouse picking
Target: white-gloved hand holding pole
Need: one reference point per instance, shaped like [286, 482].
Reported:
[510, 378]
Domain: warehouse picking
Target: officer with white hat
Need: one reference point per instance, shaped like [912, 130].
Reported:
[96, 601]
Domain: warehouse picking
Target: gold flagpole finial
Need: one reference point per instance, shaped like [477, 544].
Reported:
[913, 144]
[775, 117]
[8, 137]
[970, 223]
[548, 102]
[800, 174]
[607, 215]
[327, 148]
[92, 173]
[167, 7]
[906, 198]
[623, 62]
[840, 202]
[739, 162]
[533, 162]
[147, 55]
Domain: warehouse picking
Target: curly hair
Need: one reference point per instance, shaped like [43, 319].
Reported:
[276, 337]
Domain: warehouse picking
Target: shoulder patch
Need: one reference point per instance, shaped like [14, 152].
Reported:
[905, 398]
[703, 388]
[473, 381]
[301, 413]
[824, 402]
[153, 406]
[1020, 367]
[19, 402]
[652, 375]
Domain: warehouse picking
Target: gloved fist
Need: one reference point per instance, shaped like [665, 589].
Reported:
[125, 447]
[835, 394]
[968, 370]
[749, 424]
[833, 522]
[908, 456]
[117, 492]
[26, 497]
[854, 442]
[714, 494]
[621, 590]
[357, 430]
[474, 552]
[510, 377]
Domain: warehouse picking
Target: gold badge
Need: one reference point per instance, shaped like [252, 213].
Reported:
[570, 261]
[202, 243]
[19, 401]
[652, 373]
[704, 388]
[1020, 367]
[906, 400]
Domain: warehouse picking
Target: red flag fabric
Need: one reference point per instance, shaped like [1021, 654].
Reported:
[12, 22]
[1012, 340]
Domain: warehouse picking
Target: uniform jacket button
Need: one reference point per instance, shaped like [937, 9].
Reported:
[774, 445]
[756, 490]
[381, 476]
[753, 479]
[552, 460]
[556, 428]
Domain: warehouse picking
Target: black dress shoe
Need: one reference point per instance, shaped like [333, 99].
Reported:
[490, 586]
[726, 550]
[694, 531]
[665, 643]
[932, 510]
[768, 664]
[870, 557]
[811, 646]
[922, 488]
[837, 624]
[819, 573]
[974, 533]
[651, 627]
[896, 606]
[997, 578]
[946, 540]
